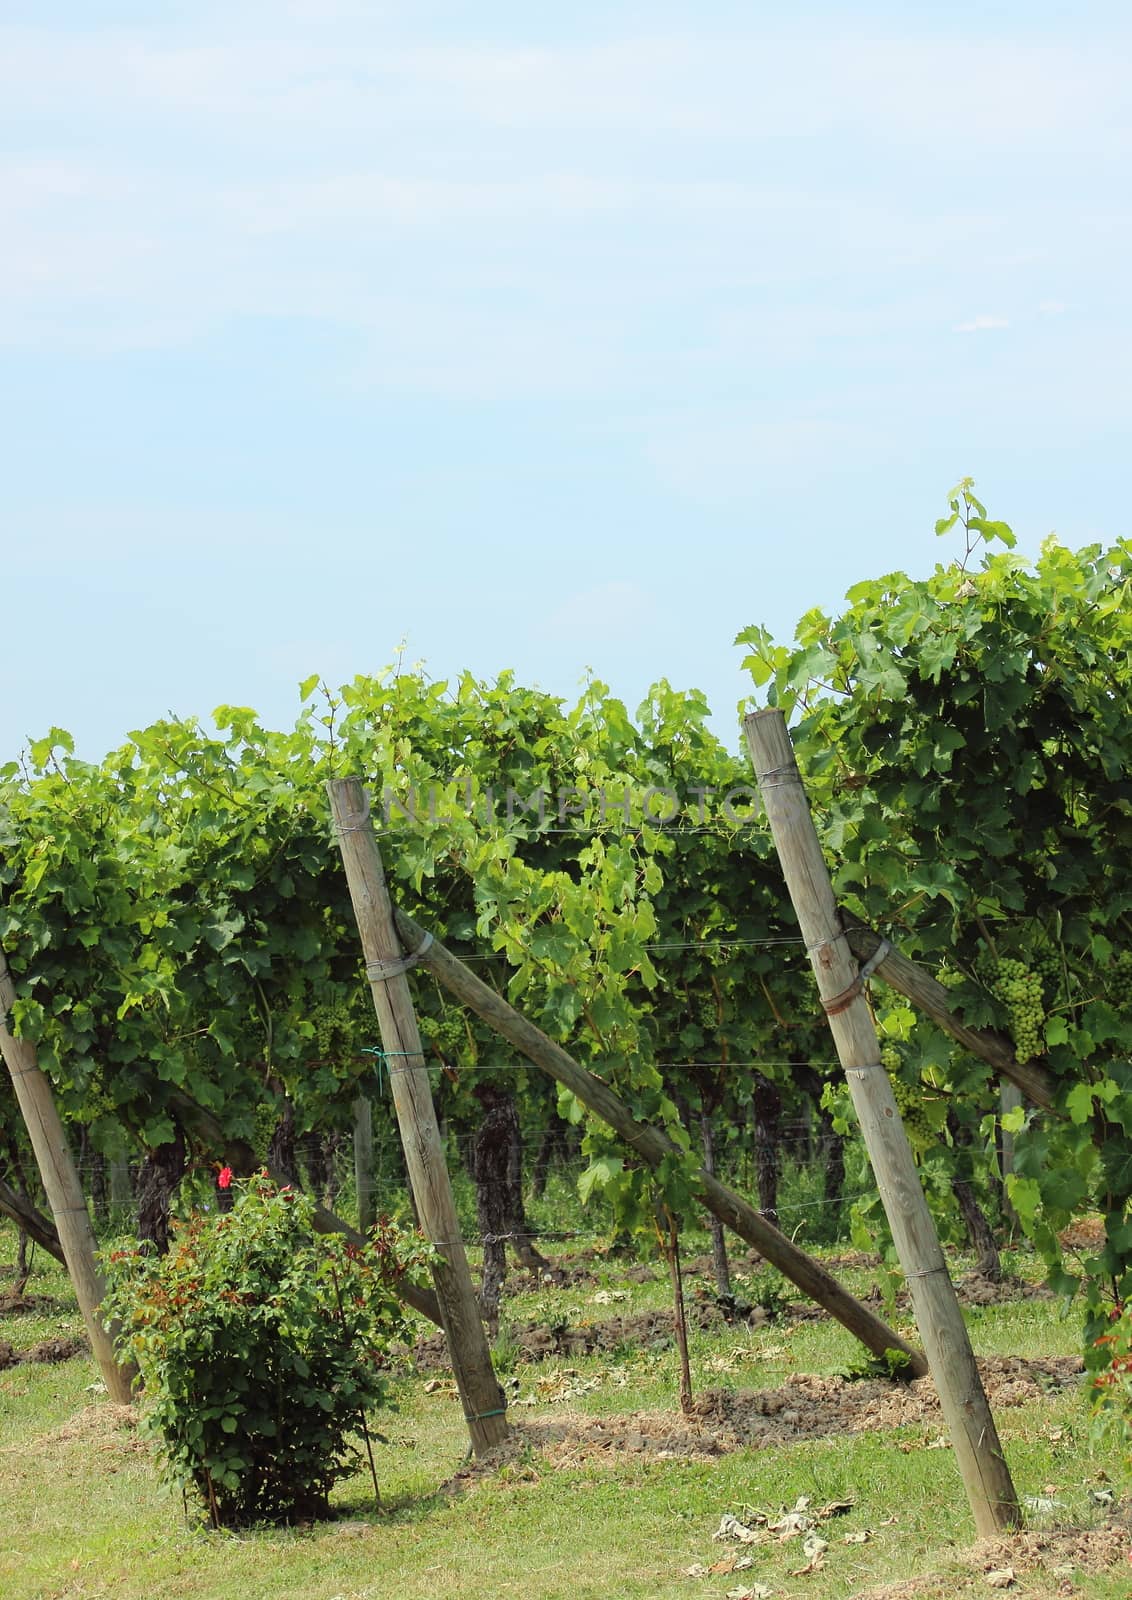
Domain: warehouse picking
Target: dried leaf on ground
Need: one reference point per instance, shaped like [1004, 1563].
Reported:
[1042, 1503]
[730, 1563]
[731, 1528]
[1001, 1578]
[799, 1519]
[862, 1536]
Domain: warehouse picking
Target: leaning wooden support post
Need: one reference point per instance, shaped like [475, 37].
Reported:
[484, 1404]
[19, 1209]
[939, 1318]
[653, 1145]
[63, 1190]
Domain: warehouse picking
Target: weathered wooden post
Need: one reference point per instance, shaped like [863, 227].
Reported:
[484, 1404]
[653, 1145]
[63, 1190]
[982, 1465]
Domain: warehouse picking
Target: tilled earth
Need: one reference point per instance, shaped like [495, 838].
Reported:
[542, 1340]
[805, 1406]
[46, 1350]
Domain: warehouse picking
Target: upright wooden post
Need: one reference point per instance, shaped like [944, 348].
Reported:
[64, 1191]
[982, 1465]
[484, 1404]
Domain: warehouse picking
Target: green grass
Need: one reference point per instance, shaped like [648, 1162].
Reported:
[82, 1513]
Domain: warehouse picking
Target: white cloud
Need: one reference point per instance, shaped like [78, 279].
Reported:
[301, 86]
[1051, 308]
[483, 216]
[981, 324]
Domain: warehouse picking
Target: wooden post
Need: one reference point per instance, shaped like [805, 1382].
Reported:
[982, 1465]
[64, 1192]
[484, 1403]
[653, 1145]
[30, 1220]
[363, 1162]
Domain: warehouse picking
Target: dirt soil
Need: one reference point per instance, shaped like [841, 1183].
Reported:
[1043, 1563]
[12, 1302]
[804, 1407]
[808, 1407]
[49, 1350]
[540, 1341]
[637, 1330]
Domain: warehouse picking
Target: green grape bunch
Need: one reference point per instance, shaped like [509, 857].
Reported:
[918, 1126]
[1020, 989]
[446, 1034]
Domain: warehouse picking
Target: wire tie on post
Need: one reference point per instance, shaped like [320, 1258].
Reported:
[382, 971]
[777, 776]
[383, 1059]
[357, 821]
[478, 1416]
[925, 1272]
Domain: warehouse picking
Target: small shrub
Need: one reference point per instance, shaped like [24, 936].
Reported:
[261, 1347]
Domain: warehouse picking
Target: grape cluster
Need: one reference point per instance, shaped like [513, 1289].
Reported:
[909, 1102]
[334, 1028]
[708, 1013]
[1019, 987]
[264, 1127]
[446, 1034]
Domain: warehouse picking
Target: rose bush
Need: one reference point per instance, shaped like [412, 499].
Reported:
[262, 1346]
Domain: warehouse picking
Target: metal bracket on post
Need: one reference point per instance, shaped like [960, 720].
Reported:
[842, 1002]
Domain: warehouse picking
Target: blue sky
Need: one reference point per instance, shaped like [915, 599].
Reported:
[543, 337]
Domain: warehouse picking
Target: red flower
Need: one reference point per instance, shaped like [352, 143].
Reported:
[224, 1181]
